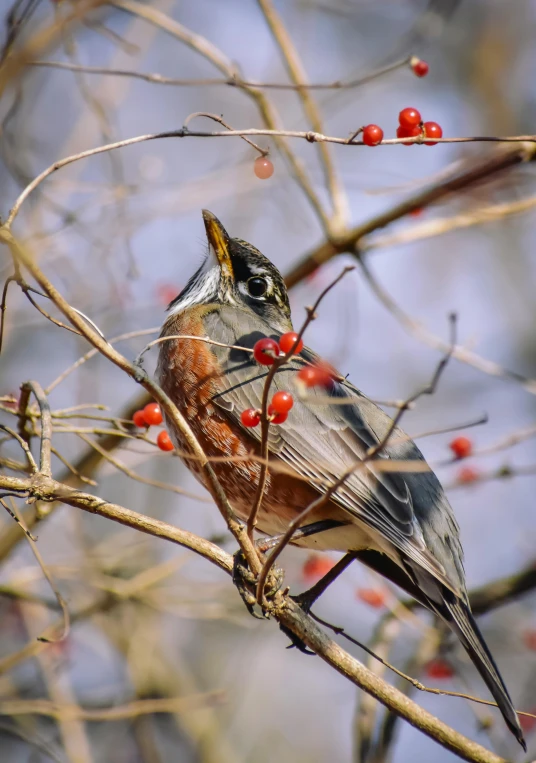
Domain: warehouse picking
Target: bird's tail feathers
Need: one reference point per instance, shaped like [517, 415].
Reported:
[459, 617]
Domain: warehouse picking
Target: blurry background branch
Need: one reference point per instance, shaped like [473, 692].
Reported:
[118, 236]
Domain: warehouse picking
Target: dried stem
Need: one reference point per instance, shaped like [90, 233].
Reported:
[283, 609]
[265, 423]
[235, 81]
[371, 454]
[298, 76]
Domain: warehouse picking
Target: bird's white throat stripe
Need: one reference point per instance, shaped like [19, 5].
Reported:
[205, 287]
[203, 291]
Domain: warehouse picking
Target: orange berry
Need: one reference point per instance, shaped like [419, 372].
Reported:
[374, 597]
[282, 402]
[372, 135]
[432, 130]
[461, 447]
[316, 567]
[276, 417]
[139, 419]
[164, 441]
[263, 168]
[420, 68]
[153, 414]
[316, 376]
[250, 417]
[408, 132]
[468, 474]
[287, 342]
[266, 351]
[409, 118]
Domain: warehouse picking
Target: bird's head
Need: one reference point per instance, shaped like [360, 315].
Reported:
[235, 273]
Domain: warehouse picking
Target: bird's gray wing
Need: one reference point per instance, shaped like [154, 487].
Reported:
[328, 434]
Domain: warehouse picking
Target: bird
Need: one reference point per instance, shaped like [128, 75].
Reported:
[398, 523]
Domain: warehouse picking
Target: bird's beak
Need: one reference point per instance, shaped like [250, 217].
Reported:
[218, 240]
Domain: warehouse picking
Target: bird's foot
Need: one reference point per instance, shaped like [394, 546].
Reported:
[246, 583]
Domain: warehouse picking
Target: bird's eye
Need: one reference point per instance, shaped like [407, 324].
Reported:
[257, 287]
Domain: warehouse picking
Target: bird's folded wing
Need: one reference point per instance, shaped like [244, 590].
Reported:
[329, 434]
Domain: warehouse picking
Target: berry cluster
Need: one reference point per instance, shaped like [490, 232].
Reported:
[149, 416]
[278, 410]
[462, 447]
[266, 351]
[410, 125]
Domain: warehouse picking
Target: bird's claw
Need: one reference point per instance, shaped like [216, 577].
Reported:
[246, 584]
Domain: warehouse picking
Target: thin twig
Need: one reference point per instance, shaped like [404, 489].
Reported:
[298, 76]
[236, 81]
[309, 136]
[413, 681]
[265, 423]
[64, 631]
[363, 463]
[286, 611]
[206, 339]
[471, 173]
[24, 446]
[221, 121]
[15, 516]
[137, 477]
[218, 59]
[422, 334]
[73, 469]
[46, 425]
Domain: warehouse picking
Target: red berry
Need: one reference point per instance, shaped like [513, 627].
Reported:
[409, 118]
[276, 417]
[250, 417]
[153, 414]
[461, 447]
[287, 342]
[164, 441]
[417, 212]
[316, 376]
[529, 637]
[439, 668]
[432, 130]
[266, 351]
[316, 567]
[468, 474]
[408, 132]
[420, 68]
[139, 419]
[371, 596]
[372, 135]
[263, 168]
[282, 402]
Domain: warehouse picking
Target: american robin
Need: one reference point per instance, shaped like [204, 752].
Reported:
[398, 523]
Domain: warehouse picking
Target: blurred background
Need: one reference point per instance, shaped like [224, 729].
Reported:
[120, 233]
